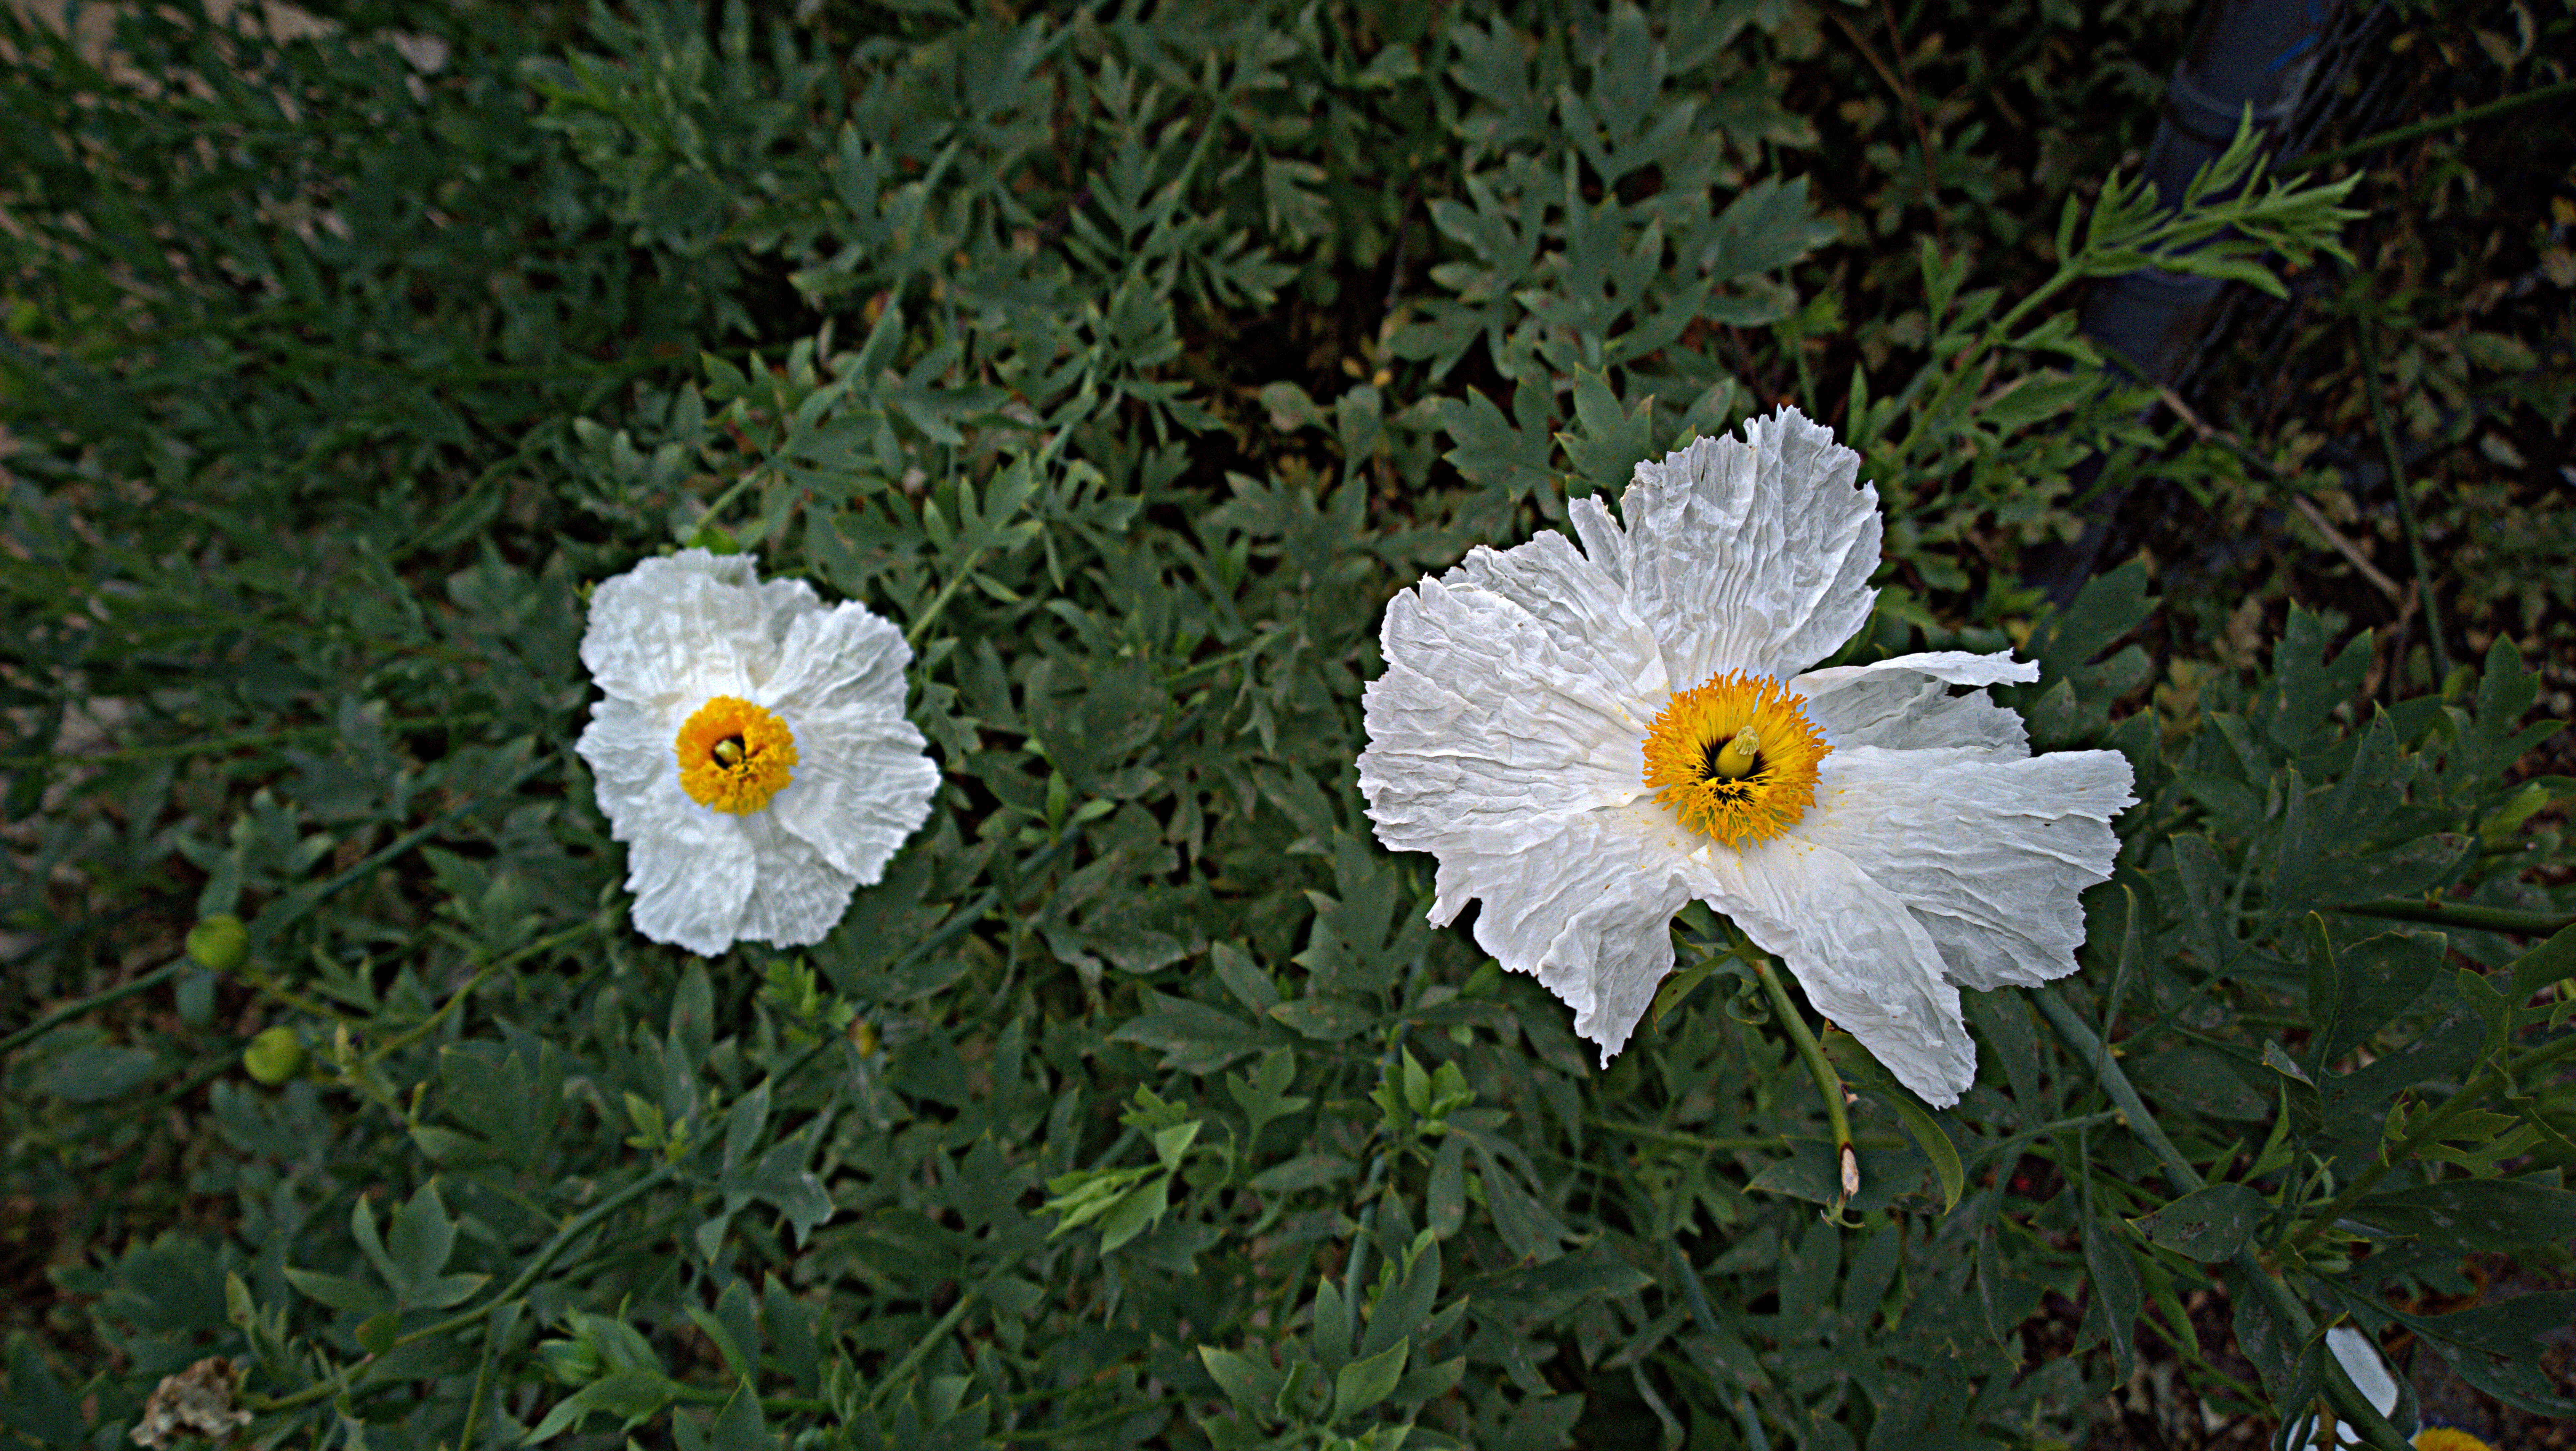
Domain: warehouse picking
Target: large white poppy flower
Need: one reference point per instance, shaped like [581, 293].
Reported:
[1587, 739]
[752, 751]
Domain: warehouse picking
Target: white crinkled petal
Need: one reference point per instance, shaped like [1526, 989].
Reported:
[690, 868]
[860, 786]
[628, 749]
[742, 571]
[861, 783]
[1587, 910]
[1605, 544]
[1751, 554]
[783, 604]
[1483, 723]
[1989, 852]
[1906, 703]
[796, 896]
[1864, 960]
[1582, 607]
[688, 625]
[838, 658]
[781, 601]
[692, 872]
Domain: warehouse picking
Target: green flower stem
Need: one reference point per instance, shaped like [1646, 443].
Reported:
[482, 1390]
[263, 928]
[939, 601]
[929, 1342]
[1355, 1268]
[1828, 1082]
[2365, 339]
[2466, 916]
[1694, 1294]
[1260, 643]
[1694, 1142]
[1794, 326]
[2417, 129]
[546, 1257]
[716, 505]
[227, 743]
[226, 1061]
[2079, 1036]
[341, 880]
[963, 921]
[711, 1396]
[270, 987]
[487, 373]
[2079, 1121]
[958, 925]
[212, 619]
[2346, 1398]
[428, 1025]
[78, 1006]
[96, 922]
[1109, 1417]
[2428, 1129]
[340, 1379]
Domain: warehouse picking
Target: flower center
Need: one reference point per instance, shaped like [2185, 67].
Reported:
[734, 756]
[1736, 757]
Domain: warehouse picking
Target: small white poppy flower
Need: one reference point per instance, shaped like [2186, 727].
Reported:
[752, 751]
[1587, 739]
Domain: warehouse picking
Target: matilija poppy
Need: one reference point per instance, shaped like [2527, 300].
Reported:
[752, 751]
[1588, 738]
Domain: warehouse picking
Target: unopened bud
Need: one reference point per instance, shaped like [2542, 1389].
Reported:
[219, 942]
[275, 1056]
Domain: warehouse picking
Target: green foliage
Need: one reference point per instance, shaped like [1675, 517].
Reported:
[1128, 364]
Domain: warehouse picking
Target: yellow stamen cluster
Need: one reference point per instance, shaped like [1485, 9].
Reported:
[1736, 757]
[734, 756]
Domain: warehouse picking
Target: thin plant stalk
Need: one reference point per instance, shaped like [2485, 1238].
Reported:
[1828, 1083]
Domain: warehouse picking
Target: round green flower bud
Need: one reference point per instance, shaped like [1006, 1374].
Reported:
[275, 1056]
[220, 942]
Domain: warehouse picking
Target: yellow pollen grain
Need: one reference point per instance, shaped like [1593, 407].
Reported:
[734, 756]
[1735, 757]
